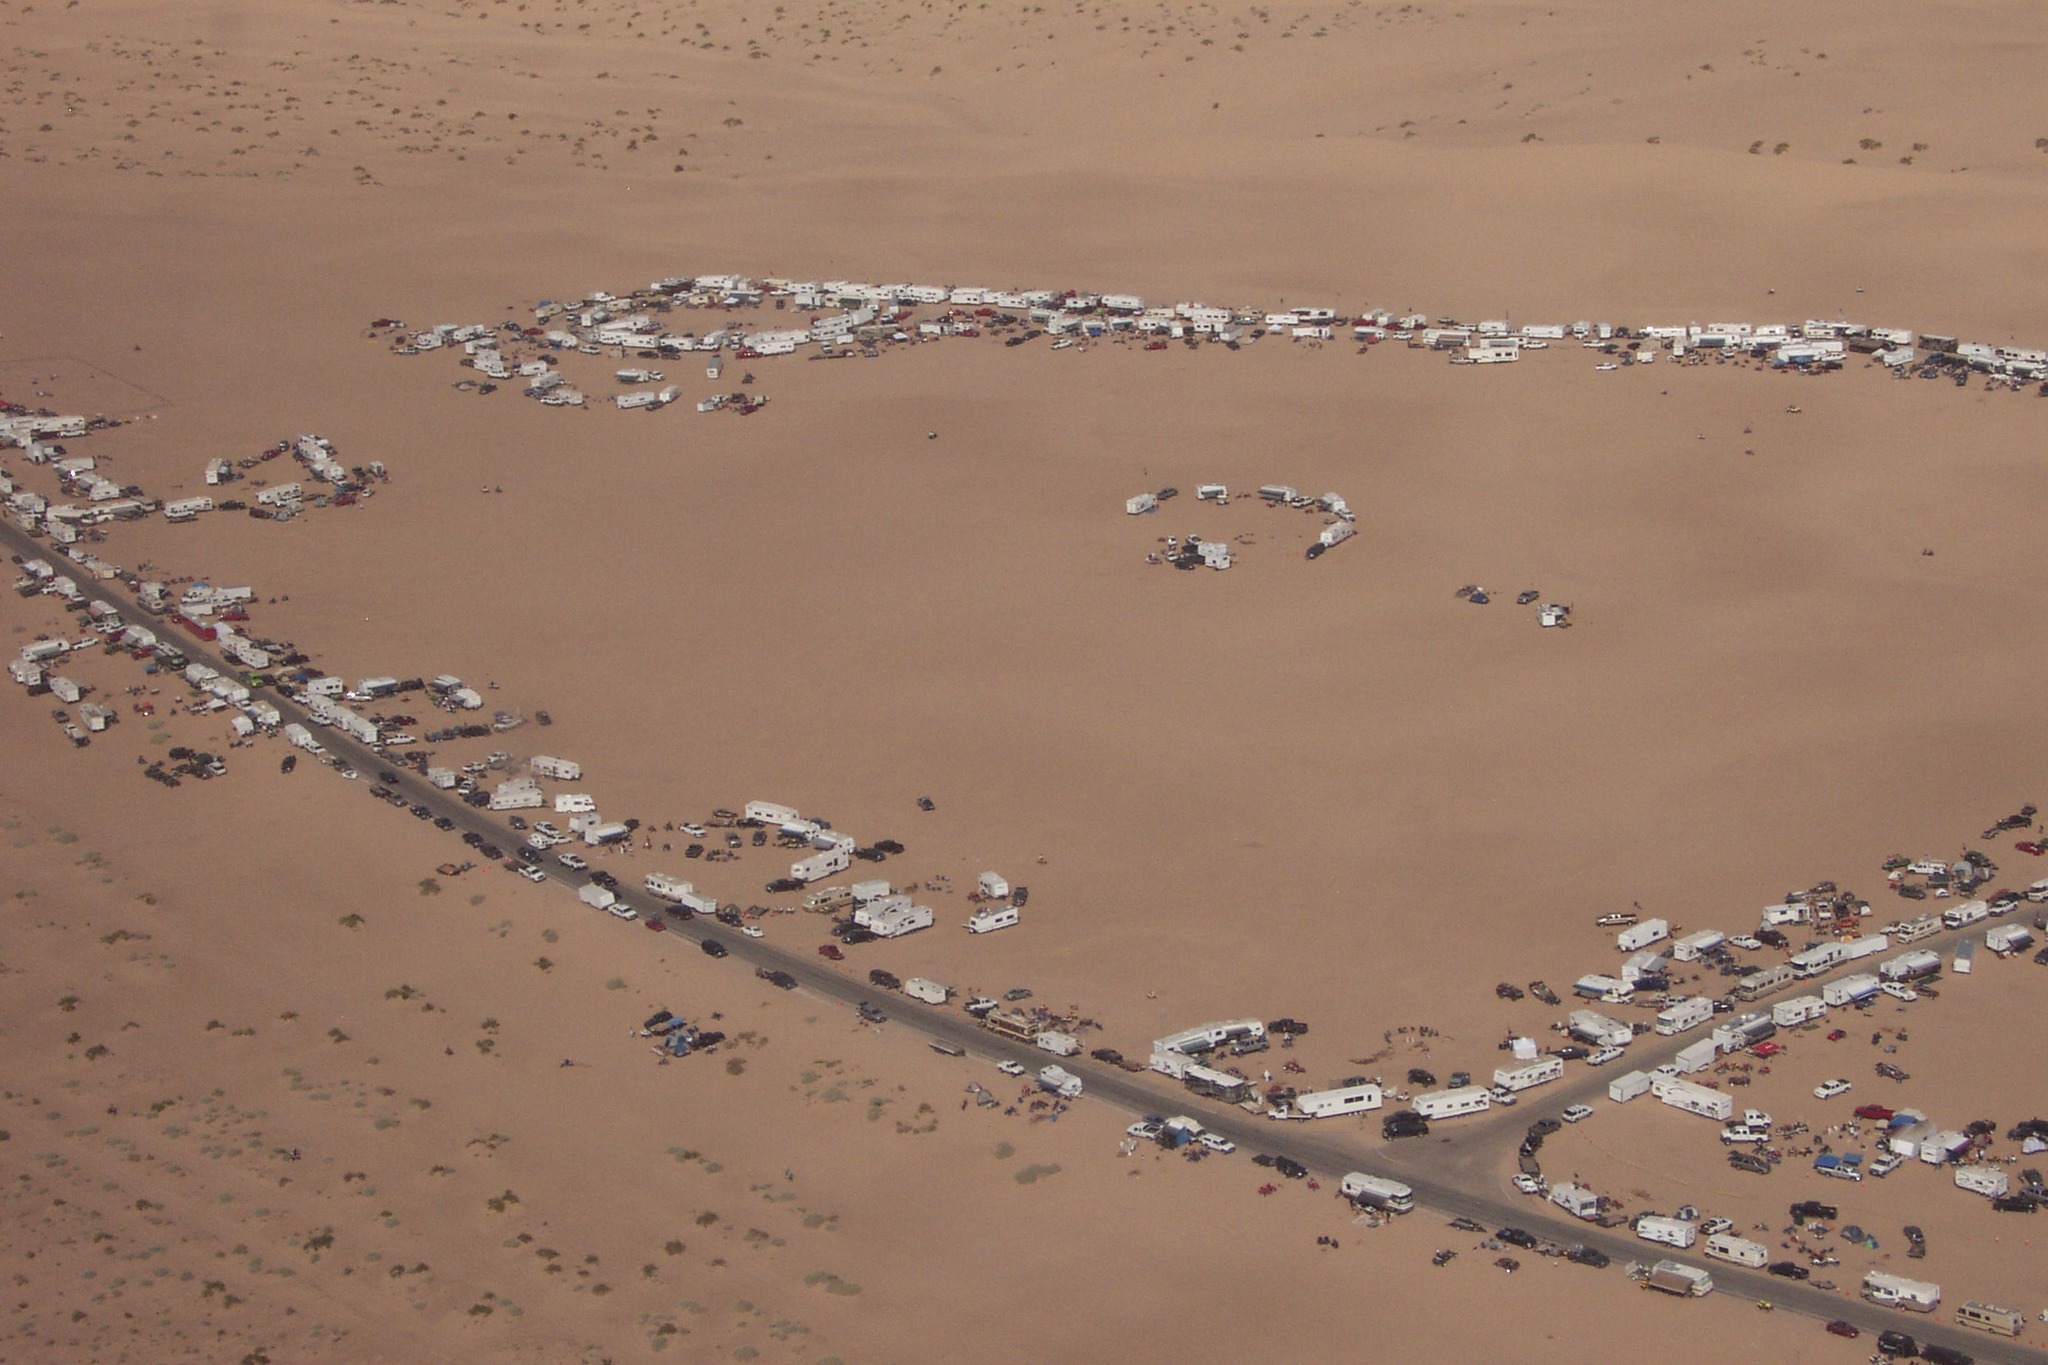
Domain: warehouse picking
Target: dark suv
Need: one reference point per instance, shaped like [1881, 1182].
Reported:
[713, 948]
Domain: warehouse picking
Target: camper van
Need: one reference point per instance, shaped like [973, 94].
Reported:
[1377, 1192]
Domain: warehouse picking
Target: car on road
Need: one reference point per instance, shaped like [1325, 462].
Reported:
[751, 930]
[1527, 1184]
[1827, 1090]
[621, 911]
[1217, 1143]
[887, 980]
[1893, 1342]
[1945, 1355]
[1545, 1125]
[605, 880]
[1790, 1270]
[779, 979]
[386, 775]
[571, 861]
[517, 822]
[1405, 1124]
[491, 851]
[533, 874]
[1517, 1237]
[1844, 1329]
[1501, 1095]
[871, 1012]
[713, 948]
[1604, 1056]
[832, 951]
[528, 855]
[1009, 1068]
[1578, 1113]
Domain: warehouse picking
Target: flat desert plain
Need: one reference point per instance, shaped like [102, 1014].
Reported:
[1327, 789]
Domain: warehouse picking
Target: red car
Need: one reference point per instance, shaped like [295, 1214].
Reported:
[831, 950]
[1766, 1050]
[1838, 1035]
[2029, 846]
[1877, 1113]
[1844, 1329]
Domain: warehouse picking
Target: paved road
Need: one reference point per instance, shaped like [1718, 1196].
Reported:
[1459, 1172]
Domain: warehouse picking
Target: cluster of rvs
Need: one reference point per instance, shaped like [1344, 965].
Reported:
[1194, 552]
[854, 317]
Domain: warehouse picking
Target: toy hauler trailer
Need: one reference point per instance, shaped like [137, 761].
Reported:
[1525, 1077]
[1684, 1015]
[1695, 946]
[1450, 1104]
[1377, 1192]
[612, 833]
[1896, 1291]
[1326, 1104]
[1911, 966]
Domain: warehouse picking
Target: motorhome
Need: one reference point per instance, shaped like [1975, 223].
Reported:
[1896, 1291]
[1377, 1192]
[1525, 1077]
[1917, 928]
[1818, 961]
[1726, 1246]
[1765, 981]
[1684, 1015]
[1060, 1082]
[664, 887]
[1969, 912]
[1744, 1031]
[1989, 1317]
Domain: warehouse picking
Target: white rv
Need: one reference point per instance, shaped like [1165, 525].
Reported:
[1693, 1099]
[1639, 936]
[664, 887]
[1670, 1232]
[1576, 1200]
[1057, 1043]
[1969, 912]
[988, 921]
[1798, 1010]
[1694, 946]
[1524, 1077]
[1450, 1104]
[1622, 1089]
[1726, 1246]
[1896, 1291]
[927, 990]
[821, 864]
[1324, 1104]
[1684, 1015]
[1850, 990]
[1060, 1082]
[1377, 1192]
[1597, 1029]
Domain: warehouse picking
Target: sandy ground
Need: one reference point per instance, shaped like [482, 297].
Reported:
[1235, 782]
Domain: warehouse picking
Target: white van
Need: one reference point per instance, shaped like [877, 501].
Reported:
[988, 921]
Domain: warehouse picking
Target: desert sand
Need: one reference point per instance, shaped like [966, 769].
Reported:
[1331, 790]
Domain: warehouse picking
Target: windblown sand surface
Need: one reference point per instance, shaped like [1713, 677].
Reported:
[1325, 789]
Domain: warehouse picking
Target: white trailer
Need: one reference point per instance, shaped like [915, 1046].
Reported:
[1648, 965]
[927, 990]
[1870, 945]
[895, 923]
[1670, 1232]
[299, 737]
[595, 896]
[556, 769]
[1682, 1016]
[1911, 966]
[1058, 1044]
[1819, 960]
[2007, 939]
[1451, 1104]
[1686, 1281]
[1850, 990]
[1726, 1246]
[1798, 1010]
[1695, 946]
[1896, 1291]
[1608, 990]
[516, 794]
[769, 813]
[993, 886]
[1524, 1077]
[662, 886]
[1576, 1200]
[1140, 504]
[1377, 1192]
[1622, 1089]
[988, 921]
[443, 779]
[1969, 912]
[611, 833]
[1988, 1181]
[1639, 936]
[1693, 1099]
[821, 864]
[1946, 1146]
[1207, 1037]
[1597, 1029]
[1327, 1104]
[868, 892]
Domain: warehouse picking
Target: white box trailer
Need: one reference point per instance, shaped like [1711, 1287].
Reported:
[1576, 1200]
[1921, 962]
[1682, 1016]
[1622, 1089]
[1695, 946]
[867, 892]
[1377, 1192]
[1799, 1010]
[516, 794]
[1451, 1104]
[596, 897]
[1328, 1104]
[299, 737]
[1965, 957]
[557, 769]
[1593, 1027]
[1851, 990]
[575, 803]
[769, 813]
[1940, 1148]
[1726, 1246]
[927, 990]
[1141, 504]
[1896, 1291]
[1670, 1232]
[821, 864]
[1988, 1181]
[1639, 936]
[443, 779]
[1525, 1077]
[1693, 1099]
[1058, 1044]
[1869, 945]
[993, 886]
